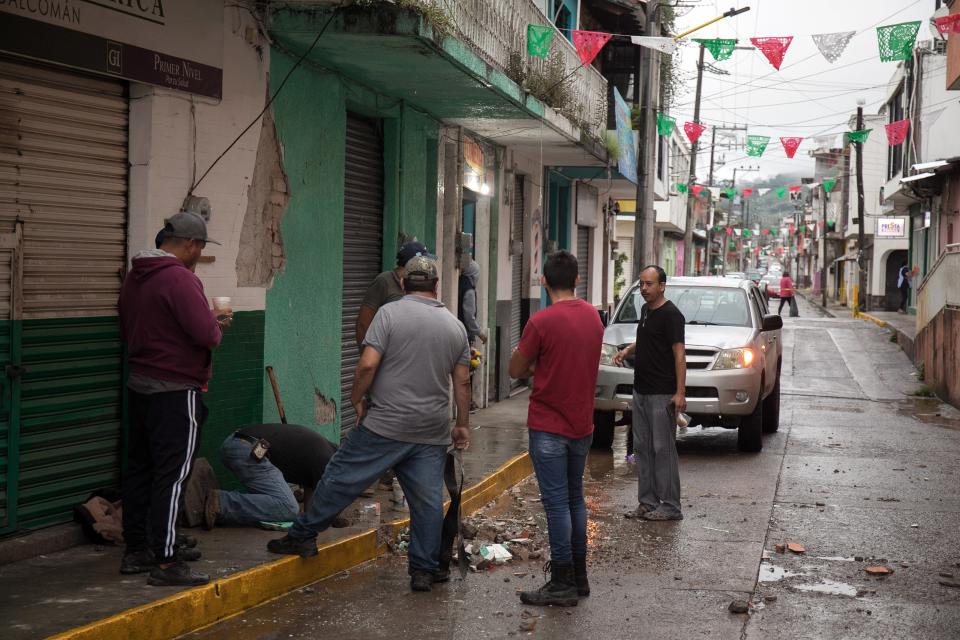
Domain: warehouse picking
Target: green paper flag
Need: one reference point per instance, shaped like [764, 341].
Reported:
[720, 48]
[896, 40]
[747, 233]
[859, 136]
[730, 192]
[803, 228]
[665, 124]
[681, 187]
[828, 184]
[782, 191]
[756, 145]
[539, 39]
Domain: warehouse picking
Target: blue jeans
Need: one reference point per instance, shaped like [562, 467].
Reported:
[362, 458]
[559, 463]
[268, 496]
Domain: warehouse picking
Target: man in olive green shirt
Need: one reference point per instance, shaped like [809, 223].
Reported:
[386, 287]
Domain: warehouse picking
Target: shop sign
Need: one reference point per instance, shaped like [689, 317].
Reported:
[170, 43]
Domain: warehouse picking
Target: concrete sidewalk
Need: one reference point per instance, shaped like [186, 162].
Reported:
[78, 593]
[903, 325]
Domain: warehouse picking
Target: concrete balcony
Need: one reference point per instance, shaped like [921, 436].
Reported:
[497, 31]
[463, 62]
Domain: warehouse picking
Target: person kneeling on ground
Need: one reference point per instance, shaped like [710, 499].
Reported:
[267, 459]
[561, 347]
[412, 349]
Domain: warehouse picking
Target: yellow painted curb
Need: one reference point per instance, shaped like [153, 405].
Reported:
[874, 320]
[190, 610]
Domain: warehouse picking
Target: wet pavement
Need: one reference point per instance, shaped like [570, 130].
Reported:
[861, 473]
[56, 592]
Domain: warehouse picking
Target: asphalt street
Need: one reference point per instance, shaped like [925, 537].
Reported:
[862, 473]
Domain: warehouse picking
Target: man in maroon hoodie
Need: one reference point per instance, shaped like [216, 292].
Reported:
[169, 331]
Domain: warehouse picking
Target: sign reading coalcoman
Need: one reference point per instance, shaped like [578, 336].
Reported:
[171, 43]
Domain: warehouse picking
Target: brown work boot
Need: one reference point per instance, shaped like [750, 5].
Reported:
[202, 481]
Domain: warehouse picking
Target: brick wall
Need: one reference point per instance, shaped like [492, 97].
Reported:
[938, 348]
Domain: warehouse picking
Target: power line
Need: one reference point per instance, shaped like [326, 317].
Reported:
[270, 101]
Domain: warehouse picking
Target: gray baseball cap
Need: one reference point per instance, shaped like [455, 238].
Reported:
[187, 225]
[422, 269]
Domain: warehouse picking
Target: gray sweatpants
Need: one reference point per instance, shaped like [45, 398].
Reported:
[654, 445]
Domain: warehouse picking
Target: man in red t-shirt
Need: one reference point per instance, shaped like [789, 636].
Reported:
[560, 348]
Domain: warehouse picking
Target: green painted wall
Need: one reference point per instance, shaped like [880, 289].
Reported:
[302, 335]
[236, 396]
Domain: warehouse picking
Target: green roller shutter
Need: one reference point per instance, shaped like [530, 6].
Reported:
[63, 175]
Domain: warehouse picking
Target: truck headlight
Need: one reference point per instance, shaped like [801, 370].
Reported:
[607, 351]
[735, 359]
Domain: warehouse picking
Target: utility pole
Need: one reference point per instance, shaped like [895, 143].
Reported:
[823, 241]
[643, 225]
[862, 297]
[646, 150]
[688, 252]
[713, 216]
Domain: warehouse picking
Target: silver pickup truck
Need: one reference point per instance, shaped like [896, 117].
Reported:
[734, 355]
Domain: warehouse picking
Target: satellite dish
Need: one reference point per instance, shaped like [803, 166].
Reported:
[939, 13]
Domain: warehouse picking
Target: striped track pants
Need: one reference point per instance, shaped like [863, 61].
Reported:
[164, 433]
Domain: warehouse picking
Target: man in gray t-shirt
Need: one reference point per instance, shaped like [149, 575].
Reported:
[420, 343]
[412, 351]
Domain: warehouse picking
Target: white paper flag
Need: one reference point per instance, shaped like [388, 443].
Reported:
[666, 45]
[832, 45]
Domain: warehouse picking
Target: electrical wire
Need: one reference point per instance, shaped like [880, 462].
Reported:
[273, 97]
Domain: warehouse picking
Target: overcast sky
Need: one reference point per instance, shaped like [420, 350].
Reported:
[808, 96]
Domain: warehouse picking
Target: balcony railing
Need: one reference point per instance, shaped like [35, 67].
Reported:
[497, 31]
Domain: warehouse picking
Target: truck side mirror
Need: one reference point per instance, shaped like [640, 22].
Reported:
[772, 322]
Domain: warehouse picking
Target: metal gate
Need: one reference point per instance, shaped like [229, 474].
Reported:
[583, 261]
[63, 194]
[516, 266]
[362, 242]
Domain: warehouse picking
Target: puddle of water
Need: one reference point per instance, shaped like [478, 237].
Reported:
[835, 558]
[773, 573]
[829, 587]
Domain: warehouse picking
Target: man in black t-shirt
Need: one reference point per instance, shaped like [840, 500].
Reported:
[659, 382]
[293, 455]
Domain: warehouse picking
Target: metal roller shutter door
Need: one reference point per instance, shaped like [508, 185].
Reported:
[362, 241]
[516, 266]
[63, 173]
[583, 261]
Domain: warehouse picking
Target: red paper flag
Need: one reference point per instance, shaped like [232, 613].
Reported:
[693, 130]
[765, 232]
[729, 231]
[773, 48]
[790, 145]
[696, 190]
[949, 24]
[796, 187]
[589, 43]
[897, 131]
[792, 229]
[747, 192]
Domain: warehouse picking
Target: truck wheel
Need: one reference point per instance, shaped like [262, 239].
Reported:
[603, 430]
[750, 433]
[771, 409]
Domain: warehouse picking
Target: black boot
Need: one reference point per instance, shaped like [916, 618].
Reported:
[580, 575]
[560, 590]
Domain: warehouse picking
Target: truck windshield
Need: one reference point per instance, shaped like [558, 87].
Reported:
[725, 306]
